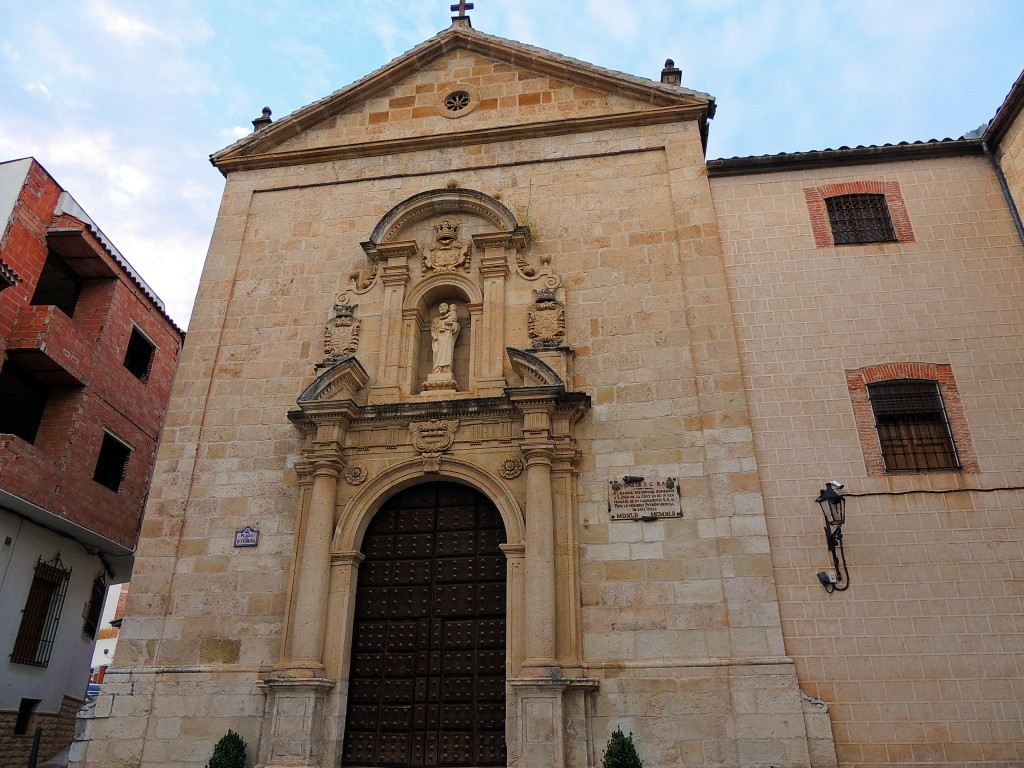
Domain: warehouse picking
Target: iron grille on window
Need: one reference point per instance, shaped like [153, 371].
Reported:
[912, 428]
[34, 642]
[860, 219]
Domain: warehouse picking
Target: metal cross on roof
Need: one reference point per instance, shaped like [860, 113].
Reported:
[462, 6]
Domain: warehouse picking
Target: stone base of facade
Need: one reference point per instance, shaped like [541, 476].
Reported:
[58, 731]
[747, 713]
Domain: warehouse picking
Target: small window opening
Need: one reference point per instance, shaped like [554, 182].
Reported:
[39, 620]
[913, 431]
[94, 608]
[22, 402]
[858, 219]
[139, 356]
[112, 462]
[25, 710]
[58, 286]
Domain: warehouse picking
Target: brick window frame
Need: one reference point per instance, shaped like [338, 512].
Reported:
[816, 196]
[864, 416]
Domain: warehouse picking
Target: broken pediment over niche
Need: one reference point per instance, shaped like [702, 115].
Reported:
[342, 383]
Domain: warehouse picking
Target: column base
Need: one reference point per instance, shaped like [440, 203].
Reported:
[552, 722]
[293, 722]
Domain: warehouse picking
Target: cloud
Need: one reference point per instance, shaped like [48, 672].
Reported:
[125, 29]
[235, 133]
[40, 89]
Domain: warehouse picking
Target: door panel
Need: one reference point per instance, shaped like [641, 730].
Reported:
[428, 650]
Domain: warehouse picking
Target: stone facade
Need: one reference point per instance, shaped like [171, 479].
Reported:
[620, 315]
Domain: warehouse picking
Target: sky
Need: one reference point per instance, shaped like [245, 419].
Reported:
[123, 101]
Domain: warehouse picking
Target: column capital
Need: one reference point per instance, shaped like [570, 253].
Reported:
[351, 559]
[537, 452]
[327, 466]
[516, 239]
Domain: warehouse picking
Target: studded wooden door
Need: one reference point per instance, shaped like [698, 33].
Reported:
[428, 649]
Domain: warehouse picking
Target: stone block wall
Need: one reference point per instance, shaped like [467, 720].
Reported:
[918, 660]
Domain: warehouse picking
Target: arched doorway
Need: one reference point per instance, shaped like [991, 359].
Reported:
[427, 683]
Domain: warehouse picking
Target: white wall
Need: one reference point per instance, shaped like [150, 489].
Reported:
[68, 670]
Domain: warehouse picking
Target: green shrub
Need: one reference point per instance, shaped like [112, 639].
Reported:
[229, 752]
[621, 752]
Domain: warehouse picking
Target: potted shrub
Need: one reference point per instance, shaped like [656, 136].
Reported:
[229, 752]
[621, 752]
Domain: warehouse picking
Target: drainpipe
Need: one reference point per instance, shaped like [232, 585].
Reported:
[1014, 213]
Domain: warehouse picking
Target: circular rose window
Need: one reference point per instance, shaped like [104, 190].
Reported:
[456, 99]
[456, 102]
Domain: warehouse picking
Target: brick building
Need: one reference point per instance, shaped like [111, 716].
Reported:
[87, 357]
[531, 404]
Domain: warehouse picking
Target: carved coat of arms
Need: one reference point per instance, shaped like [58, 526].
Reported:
[341, 335]
[546, 320]
[447, 253]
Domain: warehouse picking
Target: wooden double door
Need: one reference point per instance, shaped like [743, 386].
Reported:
[427, 681]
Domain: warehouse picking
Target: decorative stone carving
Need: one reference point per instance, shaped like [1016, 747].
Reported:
[448, 253]
[362, 280]
[511, 468]
[341, 335]
[355, 475]
[534, 371]
[444, 331]
[431, 439]
[546, 320]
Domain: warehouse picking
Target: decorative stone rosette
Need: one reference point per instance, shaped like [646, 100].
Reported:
[511, 468]
[356, 475]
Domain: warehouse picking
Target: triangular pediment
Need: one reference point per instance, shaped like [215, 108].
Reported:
[503, 90]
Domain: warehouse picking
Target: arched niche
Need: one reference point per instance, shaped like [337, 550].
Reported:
[421, 307]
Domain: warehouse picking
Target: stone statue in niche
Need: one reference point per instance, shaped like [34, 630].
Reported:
[447, 253]
[444, 331]
[546, 320]
[341, 335]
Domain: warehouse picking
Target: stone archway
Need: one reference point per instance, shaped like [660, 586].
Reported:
[427, 672]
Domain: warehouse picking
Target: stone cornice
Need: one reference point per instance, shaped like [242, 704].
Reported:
[455, 139]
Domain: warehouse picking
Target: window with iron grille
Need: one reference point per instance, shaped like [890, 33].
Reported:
[860, 219]
[913, 430]
[39, 620]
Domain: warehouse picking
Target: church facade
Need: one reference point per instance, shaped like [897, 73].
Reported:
[502, 421]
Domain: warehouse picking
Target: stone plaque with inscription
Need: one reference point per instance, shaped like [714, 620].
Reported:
[643, 498]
